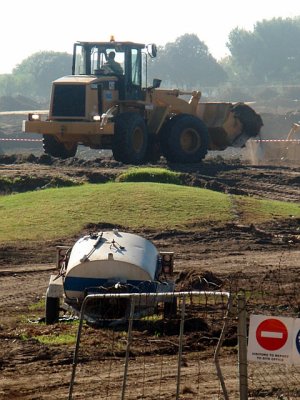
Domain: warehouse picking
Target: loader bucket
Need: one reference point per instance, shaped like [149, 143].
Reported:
[228, 124]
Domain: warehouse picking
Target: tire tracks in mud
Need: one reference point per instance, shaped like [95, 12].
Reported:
[269, 184]
[227, 176]
[19, 285]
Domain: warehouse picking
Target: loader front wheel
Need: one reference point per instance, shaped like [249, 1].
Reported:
[184, 139]
[57, 149]
[130, 138]
[52, 310]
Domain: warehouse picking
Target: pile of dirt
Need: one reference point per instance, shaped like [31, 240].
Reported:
[191, 280]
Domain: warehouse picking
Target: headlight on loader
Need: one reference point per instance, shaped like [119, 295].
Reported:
[34, 117]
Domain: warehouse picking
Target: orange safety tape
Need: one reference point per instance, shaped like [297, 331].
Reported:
[20, 140]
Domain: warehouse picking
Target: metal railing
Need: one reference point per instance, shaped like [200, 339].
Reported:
[134, 300]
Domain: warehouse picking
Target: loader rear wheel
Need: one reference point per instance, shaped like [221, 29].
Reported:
[52, 310]
[130, 139]
[184, 139]
[57, 149]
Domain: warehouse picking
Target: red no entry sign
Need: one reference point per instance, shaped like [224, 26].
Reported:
[271, 334]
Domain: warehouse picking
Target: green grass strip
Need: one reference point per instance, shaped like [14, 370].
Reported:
[55, 213]
[258, 211]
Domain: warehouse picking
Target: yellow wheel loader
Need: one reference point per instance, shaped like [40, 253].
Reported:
[104, 107]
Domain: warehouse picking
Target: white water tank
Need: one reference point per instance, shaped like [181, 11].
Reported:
[109, 256]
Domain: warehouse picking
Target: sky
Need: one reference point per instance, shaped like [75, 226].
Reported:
[29, 26]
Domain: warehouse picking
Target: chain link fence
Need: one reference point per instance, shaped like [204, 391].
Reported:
[276, 294]
[167, 347]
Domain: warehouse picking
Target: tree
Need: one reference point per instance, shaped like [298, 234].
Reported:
[269, 54]
[42, 68]
[187, 63]
[7, 85]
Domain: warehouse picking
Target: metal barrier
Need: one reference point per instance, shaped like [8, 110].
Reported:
[215, 307]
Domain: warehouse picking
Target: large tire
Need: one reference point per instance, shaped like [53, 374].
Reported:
[51, 310]
[56, 149]
[130, 139]
[184, 139]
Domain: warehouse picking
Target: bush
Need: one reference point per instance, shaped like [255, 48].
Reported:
[158, 175]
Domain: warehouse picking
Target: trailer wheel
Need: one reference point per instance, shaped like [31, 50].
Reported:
[52, 310]
[56, 149]
[170, 308]
[130, 139]
[184, 139]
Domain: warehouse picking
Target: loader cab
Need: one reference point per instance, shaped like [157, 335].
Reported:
[90, 58]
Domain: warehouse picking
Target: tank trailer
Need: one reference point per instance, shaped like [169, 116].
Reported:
[109, 262]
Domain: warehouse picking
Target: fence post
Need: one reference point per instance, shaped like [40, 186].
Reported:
[218, 348]
[129, 339]
[242, 346]
[75, 357]
[180, 346]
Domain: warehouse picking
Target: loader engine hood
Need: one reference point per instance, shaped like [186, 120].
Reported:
[77, 97]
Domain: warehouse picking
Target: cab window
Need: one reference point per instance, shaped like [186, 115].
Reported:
[135, 67]
[79, 61]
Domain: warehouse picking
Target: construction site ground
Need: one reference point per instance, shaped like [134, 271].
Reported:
[30, 370]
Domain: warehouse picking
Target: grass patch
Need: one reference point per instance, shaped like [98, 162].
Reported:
[159, 175]
[55, 339]
[38, 306]
[65, 338]
[55, 213]
[258, 211]
[61, 333]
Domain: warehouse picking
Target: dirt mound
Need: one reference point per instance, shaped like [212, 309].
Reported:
[192, 280]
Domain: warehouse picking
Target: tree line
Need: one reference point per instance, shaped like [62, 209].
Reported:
[267, 55]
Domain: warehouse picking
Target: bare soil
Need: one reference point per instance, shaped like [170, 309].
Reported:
[231, 257]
